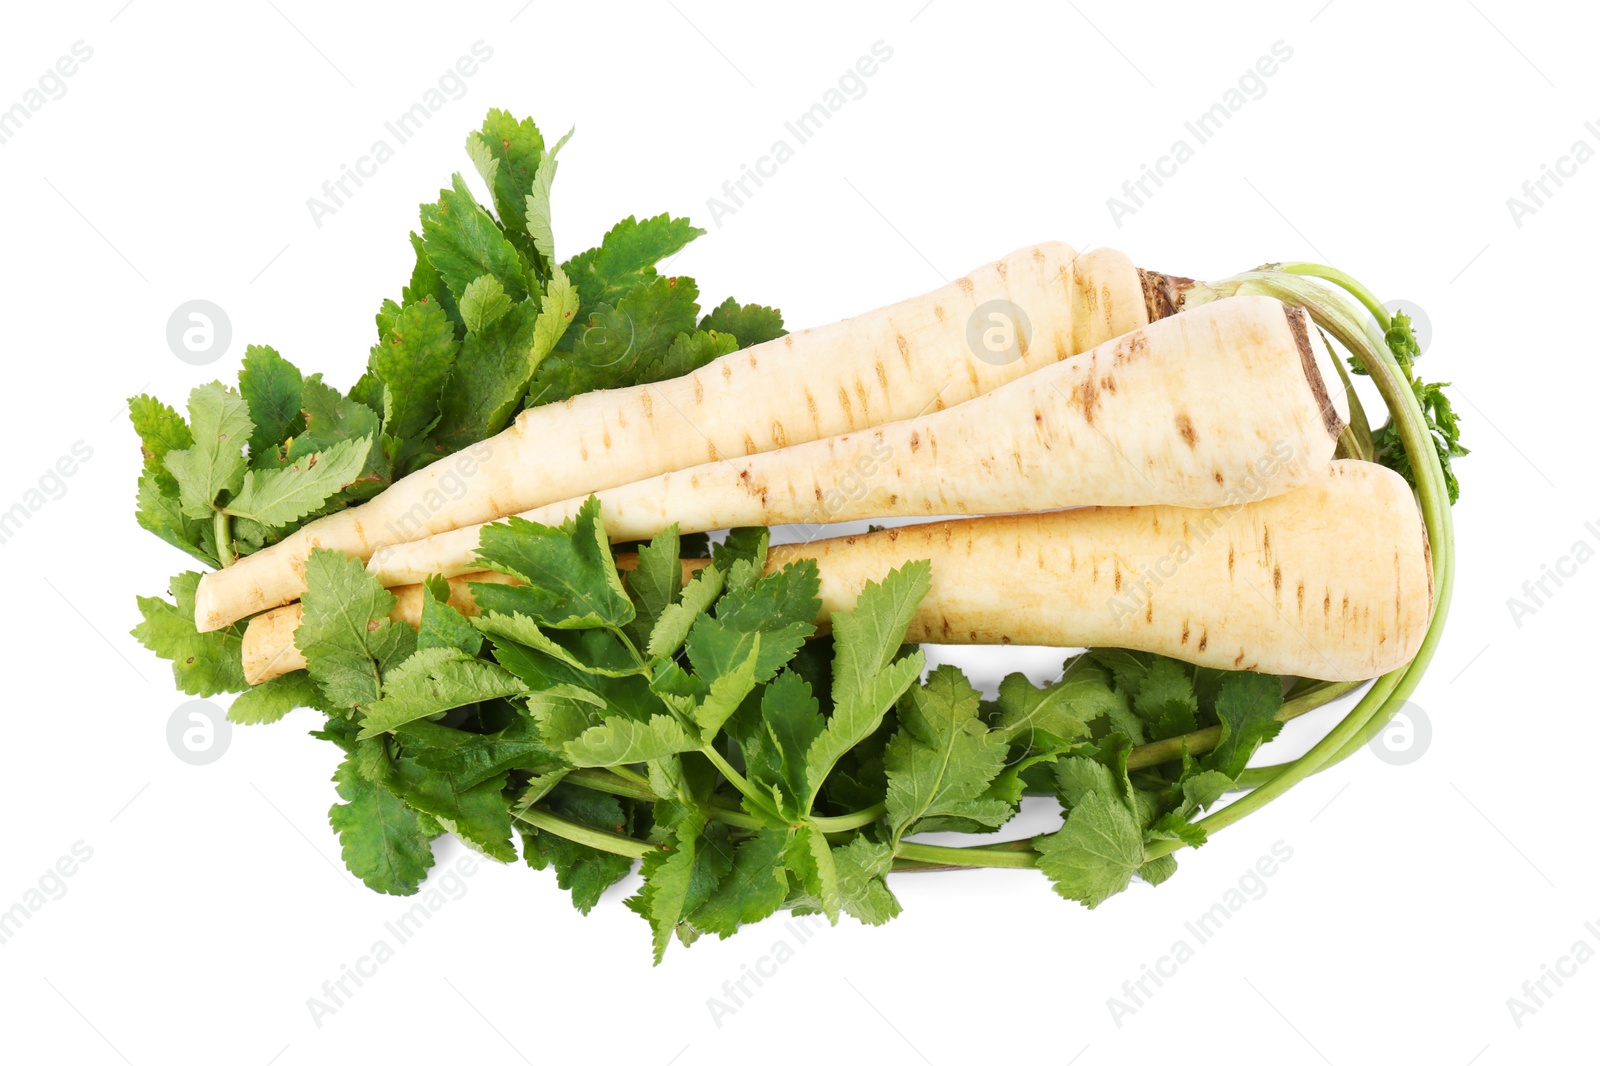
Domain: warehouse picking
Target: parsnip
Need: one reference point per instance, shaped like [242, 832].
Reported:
[883, 366]
[1331, 581]
[1227, 402]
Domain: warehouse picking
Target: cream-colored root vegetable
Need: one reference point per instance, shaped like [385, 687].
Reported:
[1225, 402]
[938, 349]
[1331, 581]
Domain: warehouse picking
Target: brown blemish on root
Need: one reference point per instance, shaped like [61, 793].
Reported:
[1277, 579]
[1184, 638]
[905, 348]
[1163, 293]
[1202, 645]
[1086, 394]
[1308, 363]
[965, 285]
[916, 441]
[1186, 430]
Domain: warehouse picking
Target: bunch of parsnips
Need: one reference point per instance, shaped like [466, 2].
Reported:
[487, 564]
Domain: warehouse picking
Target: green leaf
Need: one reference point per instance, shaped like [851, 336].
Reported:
[488, 380]
[271, 700]
[655, 583]
[584, 871]
[570, 577]
[536, 206]
[750, 323]
[414, 359]
[160, 512]
[1167, 697]
[426, 284]
[432, 680]
[203, 664]
[483, 303]
[1247, 707]
[867, 680]
[345, 631]
[220, 423]
[1096, 851]
[752, 890]
[271, 386]
[442, 625]
[463, 242]
[161, 430]
[473, 758]
[669, 884]
[330, 418]
[811, 860]
[507, 153]
[791, 723]
[477, 812]
[677, 619]
[277, 498]
[689, 352]
[620, 740]
[627, 256]
[863, 893]
[622, 345]
[943, 758]
[385, 843]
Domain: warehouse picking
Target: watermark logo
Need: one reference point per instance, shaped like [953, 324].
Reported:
[999, 332]
[1537, 192]
[1250, 887]
[851, 85]
[450, 484]
[51, 85]
[444, 887]
[738, 991]
[451, 85]
[1537, 991]
[1538, 591]
[49, 887]
[198, 732]
[199, 332]
[1251, 85]
[50, 486]
[1406, 737]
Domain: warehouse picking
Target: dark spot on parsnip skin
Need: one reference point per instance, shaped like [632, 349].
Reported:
[1186, 430]
[1150, 611]
[1218, 476]
[916, 440]
[1230, 560]
[1202, 645]
[1184, 639]
[1238, 659]
[1277, 579]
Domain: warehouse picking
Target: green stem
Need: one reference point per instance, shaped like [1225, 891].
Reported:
[843, 823]
[1203, 740]
[582, 834]
[634, 787]
[1005, 858]
[222, 530]
[1389, 692]
[738, 781]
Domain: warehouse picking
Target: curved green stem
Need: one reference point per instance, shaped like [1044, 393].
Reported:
[222, 530]
[583, 834]
[738, 781]
[1203, 740]
[1389, 692]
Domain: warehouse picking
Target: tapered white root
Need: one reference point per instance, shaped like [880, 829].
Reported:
[1331, 581]
[883, 366]
[1227, 402]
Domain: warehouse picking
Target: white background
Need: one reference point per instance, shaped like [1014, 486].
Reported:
[177, 166]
